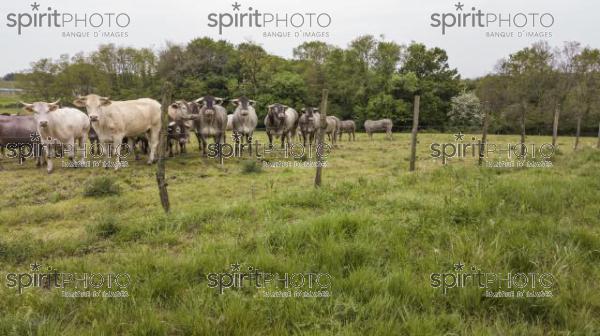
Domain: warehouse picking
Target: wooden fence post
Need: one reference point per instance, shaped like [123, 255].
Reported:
[598, 144]
[555, 125]
[486, 123]
[321, 137]
[167, 92]
[415, 129]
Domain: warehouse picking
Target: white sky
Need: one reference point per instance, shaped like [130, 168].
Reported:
[154, 22]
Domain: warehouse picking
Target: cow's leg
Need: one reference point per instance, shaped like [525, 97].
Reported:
[71, 143]
[282, 139]
[117, 143]
[203, 142]
[199, 141]
[83, 140]
[249, 141]
[270, 139]
[49, 154]
[170, 146]
[132, 144]
[153, 142]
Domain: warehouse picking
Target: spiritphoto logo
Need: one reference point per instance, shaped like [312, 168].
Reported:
[75, 24]
[72, 284]
[533, 24]
[258, 150]
[496, 285]
[507, 155]
[305, 24]
[296, 285]
[95, 155]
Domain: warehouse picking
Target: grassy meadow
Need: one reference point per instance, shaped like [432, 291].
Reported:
[377, 229]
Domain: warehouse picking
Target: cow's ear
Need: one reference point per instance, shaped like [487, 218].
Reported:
[234, 102]
[27, 107]
[54, 106]
[174, 105]
[79, 102]
[252, 102]
[105, 101]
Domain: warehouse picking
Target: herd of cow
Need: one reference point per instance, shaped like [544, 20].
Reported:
[139, 121]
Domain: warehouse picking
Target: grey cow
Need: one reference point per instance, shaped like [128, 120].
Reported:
[309, 124]
[244, 120]
[383, 125]
[348, 126]
[281, 120]
[211, 121]
[332, 129]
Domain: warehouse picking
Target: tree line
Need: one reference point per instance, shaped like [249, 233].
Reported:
[371, 78]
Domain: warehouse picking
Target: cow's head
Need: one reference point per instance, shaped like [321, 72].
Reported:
[309, 112]
[208, 105]
[243, 104]
[277, 111]
[178, 110]
[41, 110]
[93, 104]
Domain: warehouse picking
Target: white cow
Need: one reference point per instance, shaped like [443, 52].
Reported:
[59, 125]
[115, 120]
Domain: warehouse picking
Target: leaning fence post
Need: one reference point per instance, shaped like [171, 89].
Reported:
[321, 137]
[486, 123]
[413, 138]
[167, 91]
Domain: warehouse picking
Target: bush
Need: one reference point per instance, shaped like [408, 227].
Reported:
[251, 166]
[100, 187]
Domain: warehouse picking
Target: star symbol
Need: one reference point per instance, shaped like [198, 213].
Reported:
[459, 136]
[236, 6]
[235, 267]
[459, 266]
[459, 6]
[35, 6]
[35, 267]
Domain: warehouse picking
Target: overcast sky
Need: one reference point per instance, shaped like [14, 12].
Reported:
[154, 22]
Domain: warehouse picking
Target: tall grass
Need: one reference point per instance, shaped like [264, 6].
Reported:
[378, 230]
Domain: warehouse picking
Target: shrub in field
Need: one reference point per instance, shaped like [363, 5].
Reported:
[104, 227]
[251, 166]
[101, 186]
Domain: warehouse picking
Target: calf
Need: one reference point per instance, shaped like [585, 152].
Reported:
[309, 124]
[281, 121]
[244, 120]
[62, 125]
[177, 135]
[383, 125]
[115, 120]
[94, 141]
[348, 126]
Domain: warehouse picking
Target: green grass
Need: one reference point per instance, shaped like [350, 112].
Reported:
[379, 230]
